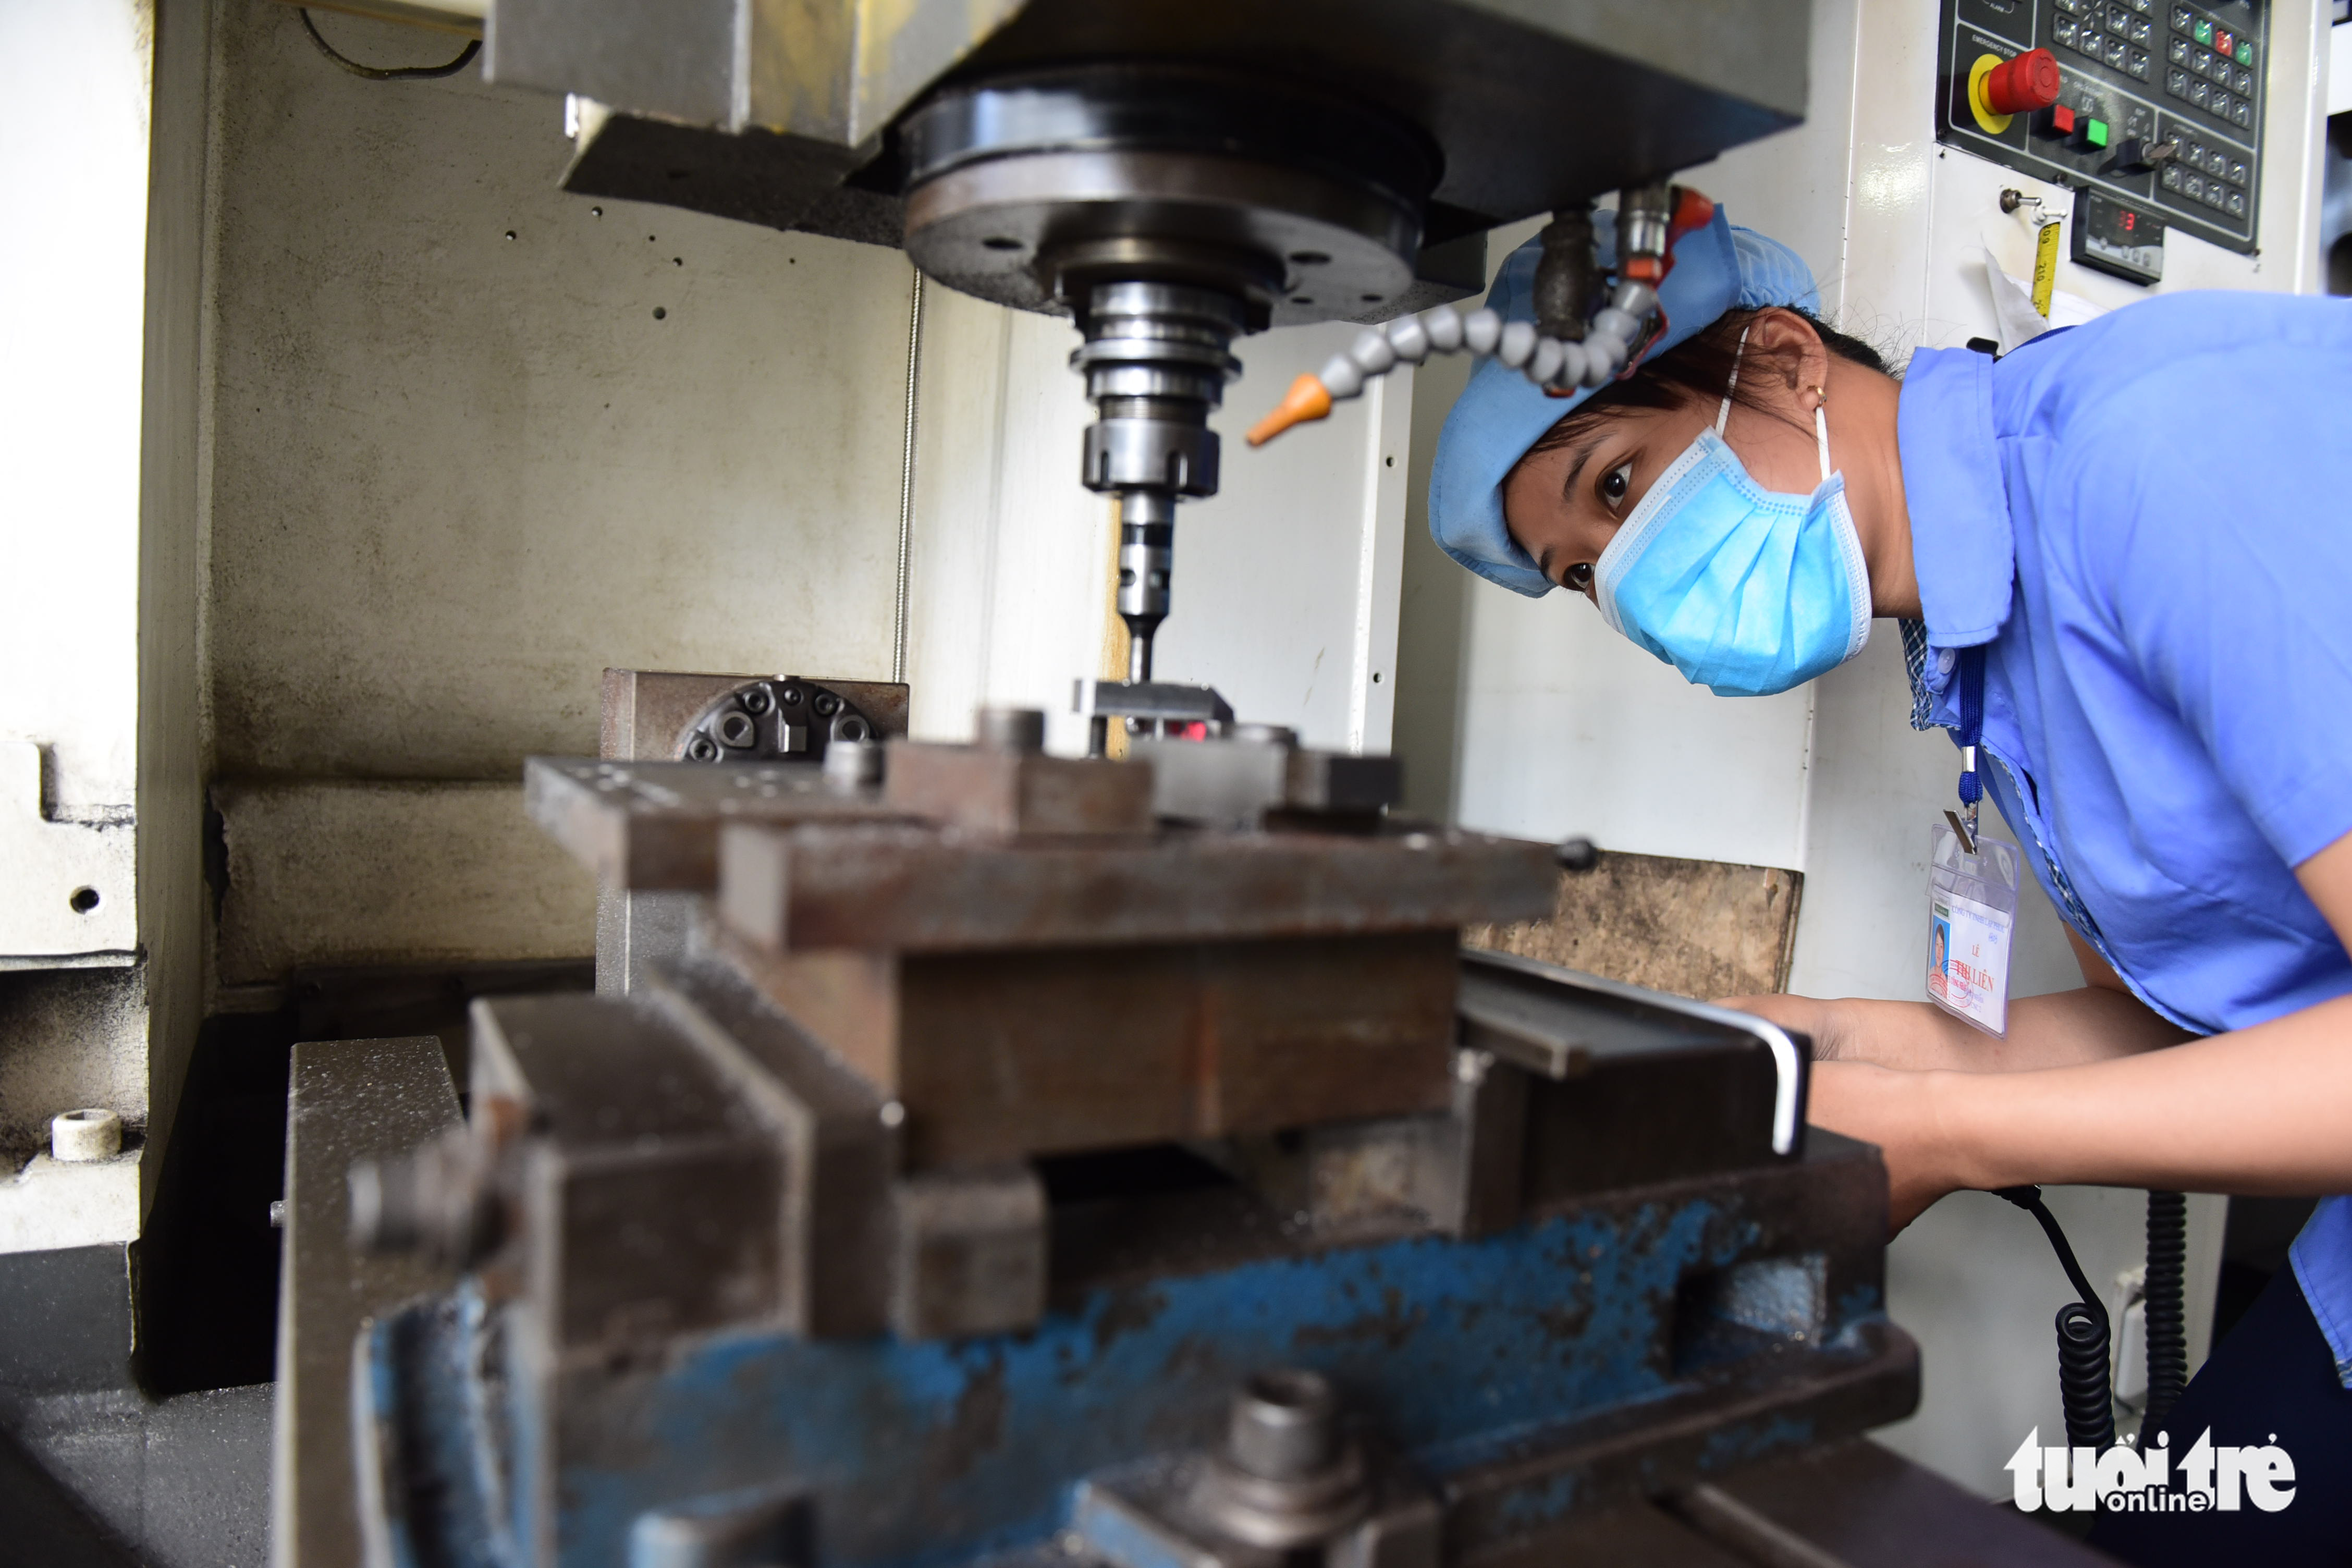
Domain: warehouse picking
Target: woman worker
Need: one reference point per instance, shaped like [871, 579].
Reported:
[2141, 532]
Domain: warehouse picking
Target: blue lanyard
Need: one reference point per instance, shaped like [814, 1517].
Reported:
[1972, 678]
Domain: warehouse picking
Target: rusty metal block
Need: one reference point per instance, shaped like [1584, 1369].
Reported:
[971, 1255]
[654, 827]
[983, 789]
[875, 886]
[996, 1056]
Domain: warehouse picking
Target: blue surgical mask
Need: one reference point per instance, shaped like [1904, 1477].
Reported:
[1746, 591]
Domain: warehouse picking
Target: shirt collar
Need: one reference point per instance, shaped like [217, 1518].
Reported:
[1962, 549]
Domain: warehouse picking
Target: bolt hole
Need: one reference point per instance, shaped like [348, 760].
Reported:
[1371, 299]
[1389, 462]
[84, 900]
[509, 234]
[737, 729]
[1002, 242]
[1310, 257]
[1300, 300]
[596, 212]
[702, 749]
[660, 315]
[756, 701]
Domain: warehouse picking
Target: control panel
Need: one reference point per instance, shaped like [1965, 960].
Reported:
[2157, 104]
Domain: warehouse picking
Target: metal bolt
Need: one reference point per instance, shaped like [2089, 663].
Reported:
[1285, 1426]
[1010, 728]
[790, 696]
[702, 749]
[757, 700]
[1576, 854]
[825, 704]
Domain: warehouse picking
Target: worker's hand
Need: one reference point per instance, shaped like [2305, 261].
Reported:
[1897, 1112]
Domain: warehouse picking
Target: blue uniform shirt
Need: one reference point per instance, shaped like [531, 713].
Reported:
[2148, 522]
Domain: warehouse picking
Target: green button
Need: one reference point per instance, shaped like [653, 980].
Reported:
[2205, 33]
[2094, 132]
[2245, 54]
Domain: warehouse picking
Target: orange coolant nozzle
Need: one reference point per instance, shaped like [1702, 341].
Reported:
[1306, 400]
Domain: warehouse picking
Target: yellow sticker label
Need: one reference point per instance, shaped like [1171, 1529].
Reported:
[2045, 267]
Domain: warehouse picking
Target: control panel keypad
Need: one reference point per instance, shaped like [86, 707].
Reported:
[2160, 103]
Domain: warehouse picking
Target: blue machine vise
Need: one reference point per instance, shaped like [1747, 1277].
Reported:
[1000, 1170]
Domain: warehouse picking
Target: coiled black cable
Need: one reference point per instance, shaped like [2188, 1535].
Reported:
[2085, 1382]
[2167, 1324]
[2083, 1386]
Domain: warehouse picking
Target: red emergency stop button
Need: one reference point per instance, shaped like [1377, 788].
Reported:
[2028, 82]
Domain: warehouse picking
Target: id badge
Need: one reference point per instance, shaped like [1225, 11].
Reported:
[1972, 917]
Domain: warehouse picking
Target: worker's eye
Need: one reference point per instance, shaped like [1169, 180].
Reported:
[1615, 483]
[1578, 576]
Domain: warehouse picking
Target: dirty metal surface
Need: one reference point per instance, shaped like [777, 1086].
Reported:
[654, 827]
[646, 712]
[346, 1100]
[651, 1193]
[879, 887]
[998, 1055]
[1518, 1371]
[839, 1147]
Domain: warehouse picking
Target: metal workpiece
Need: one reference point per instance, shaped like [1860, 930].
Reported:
[1242, 779]
[1000, 1055]
[904, 889]
[654, 827]
[1012, 791]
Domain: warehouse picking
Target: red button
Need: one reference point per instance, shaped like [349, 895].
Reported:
[2028, 82]
[2223, 43]
[2062, 121]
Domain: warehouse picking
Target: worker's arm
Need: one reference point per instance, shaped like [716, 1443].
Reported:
[2101, 1021]
[2264, 1110]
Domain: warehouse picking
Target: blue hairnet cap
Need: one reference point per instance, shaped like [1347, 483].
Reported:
[1501, 414]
